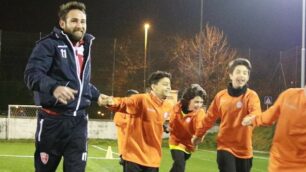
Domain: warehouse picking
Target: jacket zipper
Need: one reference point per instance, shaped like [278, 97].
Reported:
[78, 69]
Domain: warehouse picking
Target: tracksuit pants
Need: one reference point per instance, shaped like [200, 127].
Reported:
[60, 136]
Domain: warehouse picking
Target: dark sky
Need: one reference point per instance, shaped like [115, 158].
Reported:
[269, 24]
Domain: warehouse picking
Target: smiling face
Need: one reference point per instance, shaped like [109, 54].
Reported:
[162, 88]
[240, 76]
[195, 103]
[74, 25]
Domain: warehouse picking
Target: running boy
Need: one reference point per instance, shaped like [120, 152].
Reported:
[231, 105]
[288, 151]
[142, 149]
[185, 119]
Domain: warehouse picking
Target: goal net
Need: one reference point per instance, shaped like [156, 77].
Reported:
[21, 111]
[21, 121]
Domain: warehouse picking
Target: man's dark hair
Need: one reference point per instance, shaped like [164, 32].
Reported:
[72, 5]
[191, 92]
[156, 76]
[239, 61]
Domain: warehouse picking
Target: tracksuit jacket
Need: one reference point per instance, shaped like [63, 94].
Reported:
[183, 127]
[232, 136]
[288, 151]
[53, 63]
[143, 139]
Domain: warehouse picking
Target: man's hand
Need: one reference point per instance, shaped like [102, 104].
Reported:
[105, 100]
[64, 94]
[248, 120]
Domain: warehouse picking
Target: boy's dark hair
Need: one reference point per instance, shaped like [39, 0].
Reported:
[180, 94]
[190, 93]
[72, 5]
[239, 61]
[156, 76]
[131, 92]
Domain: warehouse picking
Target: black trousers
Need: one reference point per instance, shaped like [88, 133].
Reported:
[179, 160]
[57, 137]
[121, 161]
[133, 167]
[227, 162]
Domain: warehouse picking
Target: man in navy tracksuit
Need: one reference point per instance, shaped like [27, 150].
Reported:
[58, 71]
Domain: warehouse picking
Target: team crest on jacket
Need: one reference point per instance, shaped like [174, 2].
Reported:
[239, 104]
[44, 157]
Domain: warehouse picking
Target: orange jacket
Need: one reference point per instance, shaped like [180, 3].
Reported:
[145, 128]
[121, 122]
[288, 151]
[183, 127]
[232, 136]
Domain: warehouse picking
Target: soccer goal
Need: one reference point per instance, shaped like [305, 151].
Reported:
[21, 111]
[20, 121]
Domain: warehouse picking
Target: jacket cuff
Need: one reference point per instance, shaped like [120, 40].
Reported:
[52, 88]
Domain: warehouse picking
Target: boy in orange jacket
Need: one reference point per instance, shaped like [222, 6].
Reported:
[288, 151]
[142, 149]
[185, 119]
[234, 142]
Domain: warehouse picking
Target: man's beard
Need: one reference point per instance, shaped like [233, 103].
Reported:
[74, 37]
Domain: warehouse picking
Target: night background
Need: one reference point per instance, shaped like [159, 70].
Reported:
[268, 32]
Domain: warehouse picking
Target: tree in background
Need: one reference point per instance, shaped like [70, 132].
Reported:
[216, 52]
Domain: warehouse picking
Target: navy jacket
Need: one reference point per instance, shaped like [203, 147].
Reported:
[51, 64]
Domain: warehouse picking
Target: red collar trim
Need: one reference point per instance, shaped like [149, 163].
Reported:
[79, 43]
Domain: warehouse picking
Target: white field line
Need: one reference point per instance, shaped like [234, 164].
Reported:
[31, 156]
[262, 152]
[99, 148]
[18, 156]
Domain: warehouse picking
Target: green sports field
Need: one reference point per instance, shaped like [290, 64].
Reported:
[17, 156]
